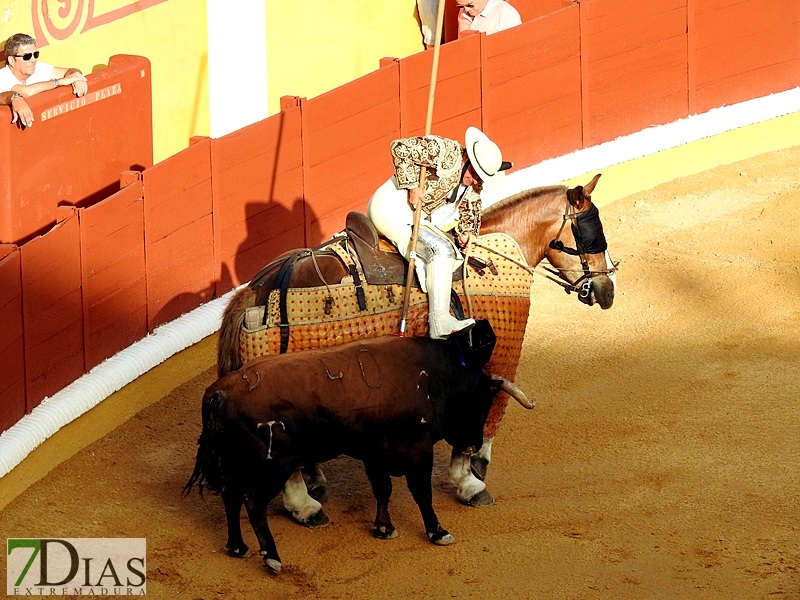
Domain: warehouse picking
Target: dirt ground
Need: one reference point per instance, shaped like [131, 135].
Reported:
[660, 462]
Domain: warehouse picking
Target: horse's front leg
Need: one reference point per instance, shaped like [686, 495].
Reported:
[479, 461]
[305, 510]
[316, 482]
[471, 490]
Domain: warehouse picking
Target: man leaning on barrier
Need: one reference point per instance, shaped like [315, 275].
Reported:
[25, 76]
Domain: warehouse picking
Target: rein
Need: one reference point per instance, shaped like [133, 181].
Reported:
[543, 271]
[583, 285]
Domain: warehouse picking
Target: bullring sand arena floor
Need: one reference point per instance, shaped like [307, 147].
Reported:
[660, 462]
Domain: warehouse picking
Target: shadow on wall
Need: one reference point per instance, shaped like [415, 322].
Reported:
[272, 229]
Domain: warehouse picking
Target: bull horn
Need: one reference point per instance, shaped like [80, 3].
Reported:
[513, 391]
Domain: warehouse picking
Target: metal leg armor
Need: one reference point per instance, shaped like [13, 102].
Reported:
[440, 261]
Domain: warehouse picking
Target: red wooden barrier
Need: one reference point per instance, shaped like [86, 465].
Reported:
[634, 66]
[532, 9]
[213, 214]
[12, 350]
[739, 50]
[346, 136]
[532, 88]
[257, 177]
[52, 309]
[458, 91]
[76, 148]
[113, 273]
[179, 234]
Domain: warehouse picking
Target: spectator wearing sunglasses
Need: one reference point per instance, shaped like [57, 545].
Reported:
[488, 16]
[26, 76]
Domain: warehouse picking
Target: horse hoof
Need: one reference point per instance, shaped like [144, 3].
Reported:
[441, 538]
[478, 466]
[273, 565]
[318, 493]
[384, 533]
[318, 519]
[483, 498]
[242, 552]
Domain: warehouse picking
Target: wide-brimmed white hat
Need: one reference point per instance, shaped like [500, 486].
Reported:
[486, 158]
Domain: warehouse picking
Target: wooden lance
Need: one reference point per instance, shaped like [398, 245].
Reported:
[412, 255]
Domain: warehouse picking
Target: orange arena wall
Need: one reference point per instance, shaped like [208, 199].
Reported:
[76, 148]
[258, 195]
[113, 275]
[147, 243]
[179, 233]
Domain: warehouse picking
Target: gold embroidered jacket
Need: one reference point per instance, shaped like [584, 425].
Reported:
[442, 157]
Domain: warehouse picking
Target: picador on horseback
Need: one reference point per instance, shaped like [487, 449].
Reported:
[451, 204]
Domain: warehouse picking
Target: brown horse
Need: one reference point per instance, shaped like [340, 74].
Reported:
[537, 220]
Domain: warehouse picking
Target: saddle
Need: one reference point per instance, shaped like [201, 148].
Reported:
[380, 261]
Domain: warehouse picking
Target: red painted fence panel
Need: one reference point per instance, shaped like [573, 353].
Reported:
[12, 350]
[532, 9]
[634, 66]
[209, 217]
[457, 96]
[346, 136]
[113, 273]
[179, 234]
[741, 50]
[257, 177]
[76, 148]
[52, 309]
[532, 88]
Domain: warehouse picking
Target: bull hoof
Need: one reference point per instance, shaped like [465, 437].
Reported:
[273, 566]
[441, 538]
[478, 466]
[384, 533]
[318, 493]
[242, 552]
[482, 498]
[318, 519]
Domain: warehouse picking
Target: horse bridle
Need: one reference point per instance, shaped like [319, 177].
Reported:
[589, 239]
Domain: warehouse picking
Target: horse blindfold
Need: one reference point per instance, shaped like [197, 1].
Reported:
[588, 232]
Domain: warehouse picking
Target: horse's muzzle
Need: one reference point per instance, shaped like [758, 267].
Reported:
[602, 291]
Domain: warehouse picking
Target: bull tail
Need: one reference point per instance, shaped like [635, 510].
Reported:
[207, 471]
[228, 358]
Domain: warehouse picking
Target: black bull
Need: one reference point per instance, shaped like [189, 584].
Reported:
[385, 401]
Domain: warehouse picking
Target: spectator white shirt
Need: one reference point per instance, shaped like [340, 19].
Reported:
[42, 72]
[496, 16]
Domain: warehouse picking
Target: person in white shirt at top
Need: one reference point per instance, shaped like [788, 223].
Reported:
[488, 16]
[24, 76]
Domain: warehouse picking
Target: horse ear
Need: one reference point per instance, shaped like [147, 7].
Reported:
[589, 187]
[575, 197]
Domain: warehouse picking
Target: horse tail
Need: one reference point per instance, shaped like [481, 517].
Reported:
[228, 358]
[207, 470]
